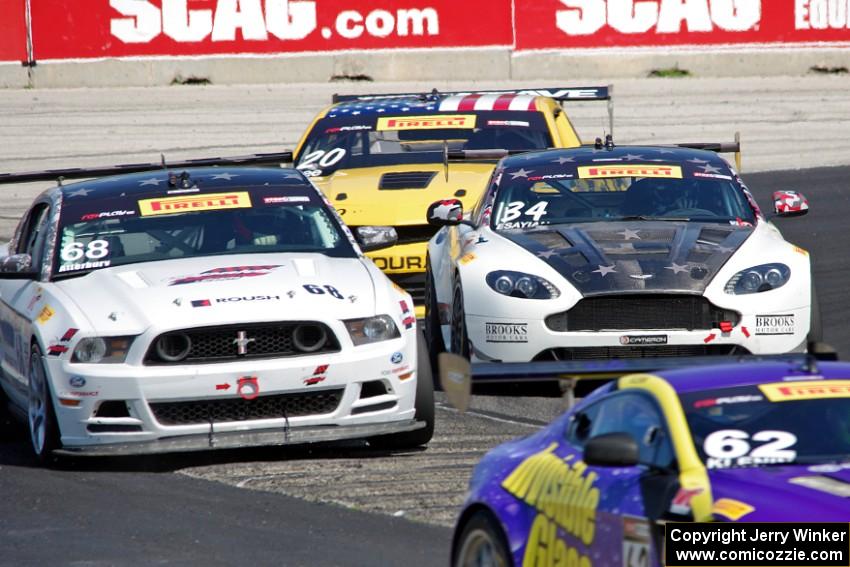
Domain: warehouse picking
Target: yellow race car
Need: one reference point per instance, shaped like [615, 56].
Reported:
[381, 160]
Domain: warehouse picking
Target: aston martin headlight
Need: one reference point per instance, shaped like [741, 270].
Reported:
[102, 350]
[758, 279]
[371, 329]
[518, 284]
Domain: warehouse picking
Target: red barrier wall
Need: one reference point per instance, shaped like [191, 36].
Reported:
[564, 24]
[13, 30]
[70, 29]
[120, 28]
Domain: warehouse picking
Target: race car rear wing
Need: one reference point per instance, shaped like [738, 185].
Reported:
[561, 94]
[90, 172]
[458, 375]
[497, 154]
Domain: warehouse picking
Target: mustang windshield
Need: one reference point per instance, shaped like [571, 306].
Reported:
[806, 422]
[119, 230]
[527, 199]
[367, 141]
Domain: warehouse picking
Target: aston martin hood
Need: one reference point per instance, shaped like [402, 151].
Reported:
[819, 493]
[224, 289]
[645, 256]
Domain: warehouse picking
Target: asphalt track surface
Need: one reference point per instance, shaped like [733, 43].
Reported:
[333, 505]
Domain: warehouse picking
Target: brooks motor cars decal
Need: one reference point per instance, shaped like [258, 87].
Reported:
[775, 324]
[506, 332]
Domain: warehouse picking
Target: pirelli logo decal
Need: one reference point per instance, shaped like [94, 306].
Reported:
[808, 390]
[464, 121]
[186, 204]
[603, 171]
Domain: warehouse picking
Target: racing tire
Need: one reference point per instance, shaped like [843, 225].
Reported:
[460, 338]
[424, 405]
[815, 324]
[41, 418]
[481, 542]
[433, 330]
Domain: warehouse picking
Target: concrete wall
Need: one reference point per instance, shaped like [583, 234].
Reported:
[438, 64]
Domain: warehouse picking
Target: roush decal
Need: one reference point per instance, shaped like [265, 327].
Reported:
[438, 122]
[207, 202]
[506, 332]
[603, 171]
[643, 340]
[775, 324]
[221, 274]
[808, 390]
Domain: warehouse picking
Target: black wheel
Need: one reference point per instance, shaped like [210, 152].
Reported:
[481, 543]
[433, 332]
[460, 339]
[41, 419]
[815, 324]
[424, 406]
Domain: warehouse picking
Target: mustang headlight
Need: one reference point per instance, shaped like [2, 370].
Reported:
[102, 350]
[758, 279]
[371, 329]
[525, 286]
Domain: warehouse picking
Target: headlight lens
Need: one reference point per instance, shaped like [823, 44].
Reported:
[758, 279]
[102, 350]
[518, 284]
[371, 329]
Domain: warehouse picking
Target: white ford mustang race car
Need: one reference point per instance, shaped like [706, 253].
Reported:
[214, 307]
[626, 252]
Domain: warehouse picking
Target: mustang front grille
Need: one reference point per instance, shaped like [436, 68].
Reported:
[641, 312]
[234, 342]
[317, 402]
[665, 351]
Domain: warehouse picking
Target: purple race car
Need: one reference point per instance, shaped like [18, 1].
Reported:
[762, 441]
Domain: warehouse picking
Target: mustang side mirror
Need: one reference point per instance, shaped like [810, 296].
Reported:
[448, 212]
[790, 204]
[17, 267]
[373, 238]
[612, 450]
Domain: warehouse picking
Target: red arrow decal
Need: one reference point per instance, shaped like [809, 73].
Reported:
[746, 332]
[709, 338]
[222, 386]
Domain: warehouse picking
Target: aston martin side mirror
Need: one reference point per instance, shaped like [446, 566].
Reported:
[790, 204]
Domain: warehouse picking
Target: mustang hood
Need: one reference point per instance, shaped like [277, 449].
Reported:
[793, 493]
[197, 292]
[645, 256]
[400, 195]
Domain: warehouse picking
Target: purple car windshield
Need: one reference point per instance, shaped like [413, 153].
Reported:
[805, 422]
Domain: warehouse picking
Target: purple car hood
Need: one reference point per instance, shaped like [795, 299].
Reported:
[818, 493]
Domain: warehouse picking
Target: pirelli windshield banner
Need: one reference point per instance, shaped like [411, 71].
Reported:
[74, 29]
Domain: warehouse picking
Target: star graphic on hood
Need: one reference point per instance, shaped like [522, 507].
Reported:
[547, 254]
[291, 175]
[82, 192]
[630, 234]
[697, 160]
[677, 269]
[520, 173]
[632, 157]
[709, 169]
[665, 151]
[563, 160]
[225, 176]
[152, 181]
[605, 270]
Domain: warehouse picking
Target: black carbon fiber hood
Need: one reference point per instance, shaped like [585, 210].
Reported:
[633, 257]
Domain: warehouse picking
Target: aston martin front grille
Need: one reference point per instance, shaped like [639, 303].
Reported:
[641, 312]
[302, 404]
